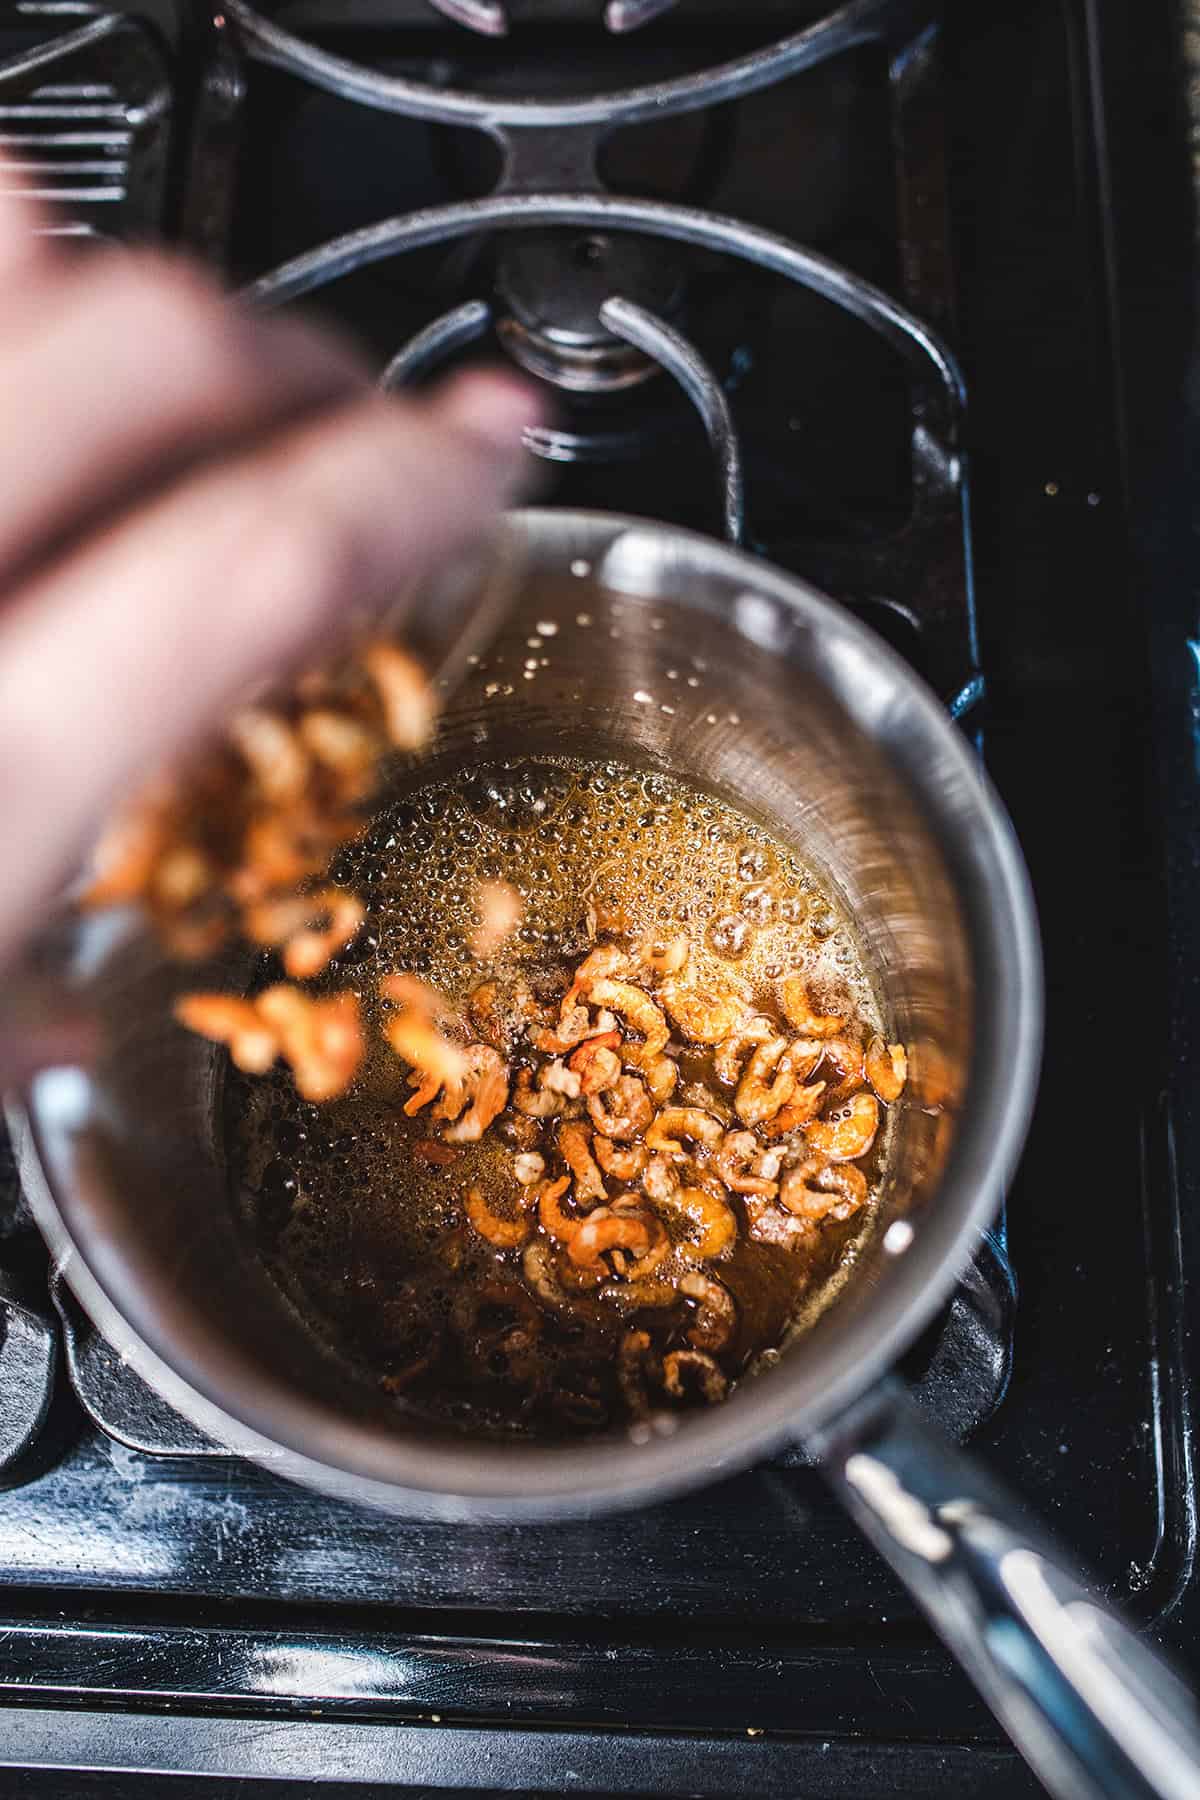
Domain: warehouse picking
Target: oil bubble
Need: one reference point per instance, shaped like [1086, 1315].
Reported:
[757, 903]
[729, 936]
[754, 861]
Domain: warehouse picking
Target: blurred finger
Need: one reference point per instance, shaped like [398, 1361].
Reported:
[118, 657]
[125, 368]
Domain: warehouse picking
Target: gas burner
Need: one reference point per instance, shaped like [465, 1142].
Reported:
[490, 19]
[625, 324]
[554, 289]
[929, 575]
[587, 361]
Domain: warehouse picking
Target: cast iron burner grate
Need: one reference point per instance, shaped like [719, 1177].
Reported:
[586, 280]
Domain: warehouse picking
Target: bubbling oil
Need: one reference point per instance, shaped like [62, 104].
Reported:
[370, 1242]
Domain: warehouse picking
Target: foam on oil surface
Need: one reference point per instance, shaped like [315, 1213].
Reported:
[640, 844]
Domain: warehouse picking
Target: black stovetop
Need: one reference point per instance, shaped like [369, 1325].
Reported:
[186, 1613]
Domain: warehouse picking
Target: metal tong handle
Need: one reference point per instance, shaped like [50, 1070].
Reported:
[1096, 1713]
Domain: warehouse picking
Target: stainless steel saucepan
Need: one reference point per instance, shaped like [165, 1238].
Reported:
[667, 648]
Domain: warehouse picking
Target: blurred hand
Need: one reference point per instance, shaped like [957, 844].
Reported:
[190, 496]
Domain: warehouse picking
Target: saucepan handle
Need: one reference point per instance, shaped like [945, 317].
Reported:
[1095, 1712]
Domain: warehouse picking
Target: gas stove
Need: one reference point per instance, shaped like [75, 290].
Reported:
[789, 273]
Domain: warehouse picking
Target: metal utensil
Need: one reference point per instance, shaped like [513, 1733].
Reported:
[661, 646]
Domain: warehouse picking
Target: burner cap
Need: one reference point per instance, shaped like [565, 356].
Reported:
[552, 286]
